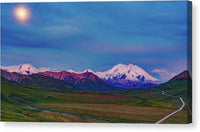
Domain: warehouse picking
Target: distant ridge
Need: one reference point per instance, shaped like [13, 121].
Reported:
[84, 81]
[182, 76]
[121, 75]
[37, 80]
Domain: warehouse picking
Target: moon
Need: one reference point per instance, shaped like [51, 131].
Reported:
[22, 14]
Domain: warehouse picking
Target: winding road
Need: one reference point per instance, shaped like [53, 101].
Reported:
[166, 117]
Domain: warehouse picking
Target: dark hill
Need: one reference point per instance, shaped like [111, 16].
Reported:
[182, 76]
[180, 86]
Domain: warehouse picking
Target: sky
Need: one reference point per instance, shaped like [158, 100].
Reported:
[97, 36]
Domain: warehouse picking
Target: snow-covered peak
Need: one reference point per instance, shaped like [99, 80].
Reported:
[88, 70]
[70, 70]
[22, 69]
[128, 72]
[118, 67]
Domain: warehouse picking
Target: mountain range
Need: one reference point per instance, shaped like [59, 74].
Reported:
[36, 80]
[119, 77]
[84, 81]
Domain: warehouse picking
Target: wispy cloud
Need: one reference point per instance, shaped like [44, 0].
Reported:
[165, 75]
[43, 69]
[94, 34]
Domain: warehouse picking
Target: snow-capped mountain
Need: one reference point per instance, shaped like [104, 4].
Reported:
[26, 69]
[128, 76]
[128, 72]
[89, 70]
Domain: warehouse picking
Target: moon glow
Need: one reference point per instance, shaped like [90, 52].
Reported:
[22, 14]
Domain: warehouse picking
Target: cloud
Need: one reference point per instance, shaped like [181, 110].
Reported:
[43, 69]
[165, 75]
[82, 35]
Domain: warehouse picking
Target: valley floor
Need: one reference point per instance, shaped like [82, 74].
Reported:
[38, 104]
[99, 110]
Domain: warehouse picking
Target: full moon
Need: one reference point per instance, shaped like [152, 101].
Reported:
[22, 14]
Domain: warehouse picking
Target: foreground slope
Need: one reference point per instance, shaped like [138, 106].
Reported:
[22, 103]
[178, 86]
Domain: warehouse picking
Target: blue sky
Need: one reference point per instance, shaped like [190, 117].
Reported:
[97, 36]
